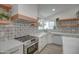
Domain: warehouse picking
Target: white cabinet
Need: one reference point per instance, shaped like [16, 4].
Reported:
[57, 39]
[16, 50]
[49, 38]
[54, 38]
[70, 45]
[42, 42]
[11, 46]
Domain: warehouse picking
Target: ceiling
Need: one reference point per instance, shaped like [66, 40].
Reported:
[45, 10]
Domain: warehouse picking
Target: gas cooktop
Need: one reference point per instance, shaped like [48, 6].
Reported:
[24, 38]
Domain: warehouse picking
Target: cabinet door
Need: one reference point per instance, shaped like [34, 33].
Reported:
[54, 38]
[49, 38]
[16, 50]
[57, 39]
[70, 45]
[42, 42]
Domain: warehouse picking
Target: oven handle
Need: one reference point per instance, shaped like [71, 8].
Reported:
[31, 44]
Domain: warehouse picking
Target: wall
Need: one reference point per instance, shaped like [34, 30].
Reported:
[17, 29]
[14, 9]
[70, 13]
[28, 9]
[25, 9]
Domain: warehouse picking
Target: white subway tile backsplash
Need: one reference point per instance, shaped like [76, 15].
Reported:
[17, 30]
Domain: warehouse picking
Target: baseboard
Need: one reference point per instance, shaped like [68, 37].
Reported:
[54, 44]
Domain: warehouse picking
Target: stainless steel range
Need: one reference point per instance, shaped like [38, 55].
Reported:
[30, 45]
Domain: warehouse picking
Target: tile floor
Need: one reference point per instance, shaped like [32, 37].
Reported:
[52, 49]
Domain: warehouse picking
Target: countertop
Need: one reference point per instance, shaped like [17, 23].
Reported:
[40, 34]
[66, 34]
[9, 44]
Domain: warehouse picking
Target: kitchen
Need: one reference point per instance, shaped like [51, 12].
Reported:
[39, 29]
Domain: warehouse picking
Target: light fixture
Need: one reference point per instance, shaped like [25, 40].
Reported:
[53, 9]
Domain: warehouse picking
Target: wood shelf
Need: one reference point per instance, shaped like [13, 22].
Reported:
[25, 18]
[69, 25]
[4, 22]
[70, 19]
[7, 7]
[67, 22]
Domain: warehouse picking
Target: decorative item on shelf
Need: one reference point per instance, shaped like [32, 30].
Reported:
[3, 16]
[5, 13]
[4, 19]
[34, 24]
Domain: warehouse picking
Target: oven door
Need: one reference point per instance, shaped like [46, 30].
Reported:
[32, 49]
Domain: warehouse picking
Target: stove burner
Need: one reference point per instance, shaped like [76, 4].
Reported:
[24, 38]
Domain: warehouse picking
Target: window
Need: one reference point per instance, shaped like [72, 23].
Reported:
[46, 25]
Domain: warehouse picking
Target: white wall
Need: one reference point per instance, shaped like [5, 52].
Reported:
[70, 13]
[28, 9]
[25, 9]
[14, 9]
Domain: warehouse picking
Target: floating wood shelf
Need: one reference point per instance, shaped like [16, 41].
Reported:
[4, 22]
[7, 7]
[69, 25]
[70, 19]
[25, 18]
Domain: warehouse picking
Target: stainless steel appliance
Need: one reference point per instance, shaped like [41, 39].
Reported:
[30, 44]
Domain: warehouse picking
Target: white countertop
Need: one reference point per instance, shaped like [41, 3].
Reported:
[66, 34]
[8, 44]
[40, 34]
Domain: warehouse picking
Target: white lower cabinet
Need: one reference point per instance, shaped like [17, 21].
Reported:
[57, 39]
[54, 38]
[42, 42]
[70, 45]
[16, 50]
[49, 38]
